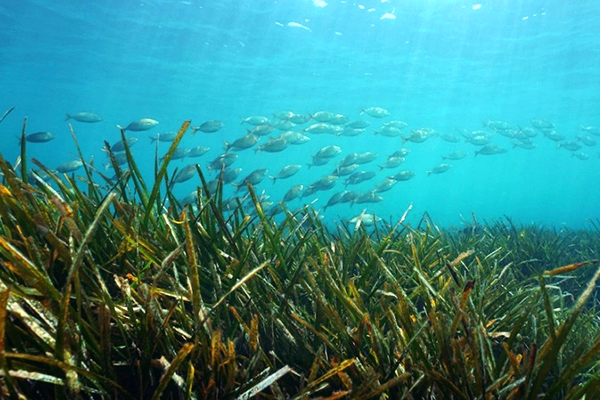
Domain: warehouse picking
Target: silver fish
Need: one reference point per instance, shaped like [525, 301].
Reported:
[293, 193]
[455, 155]
[84, 117]
[439, 169]
[365, 158]
[328, 152]
[385, 185]
[163, 137]
[222, 161]
[325, 183]
[392, 162]
[571, 146]
[403, 175]
[323, 116]
[286, 172]
[230, 174]
[490, 149]
[360, 124]
[70, 166]
[209, 126]
[273, 146]
[245, 142]
[345, 170]
[40, 137]
[140, 125]
[360, 176]
[369, 197]
[120, 146]
[185, 174]
[256, 120]
[376, 112]
[197, 151]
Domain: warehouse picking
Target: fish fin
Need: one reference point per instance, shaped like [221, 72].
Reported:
[274, 179]
[120, 127]
[194, 129]
[67, 117]
[226, 145]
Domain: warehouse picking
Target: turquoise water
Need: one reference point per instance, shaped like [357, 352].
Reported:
[438, 64]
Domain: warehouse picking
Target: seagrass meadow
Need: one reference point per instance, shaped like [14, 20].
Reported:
[110, 288]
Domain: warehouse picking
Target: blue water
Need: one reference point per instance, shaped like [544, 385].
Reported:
[438, 64]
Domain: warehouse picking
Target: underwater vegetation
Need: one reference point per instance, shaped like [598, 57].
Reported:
[111, 288]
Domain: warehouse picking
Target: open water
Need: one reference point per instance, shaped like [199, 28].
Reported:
[448, 65]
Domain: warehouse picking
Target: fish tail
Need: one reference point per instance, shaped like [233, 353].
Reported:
[153, 139]
[274, 178]
[67, 117]
[242, 120]
[226, 145]
[194, 129]
[121, 128]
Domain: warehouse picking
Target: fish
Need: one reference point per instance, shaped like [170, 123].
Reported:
[318, 161]
[403, 175]
[222, 161]
[385, 185]
[490, 149]
[185, 174]
[120, 159]
[345, 170]
[368, 197]
[541, 123]
[569, 145]
[455, 155]
[84, 117]
[417, 136]
[328, 152]
[286, 172]
[209, 126]
[229, 174]
[449, 137]
[352, 131]
[140, 125]
[365, 158]
[524, 145]
[163, 137]
[256, 120]
[40, 137]
[360, 124]
[120, 146]
[323, 116]
[389, 131]
[325, 183]
[70, 166]
[359, 177]
[376, 112]
[580, 155]
[197, 151]
[391, 162]
[253, 178]
[497, 125]
[400, 153]
[321, 127]
[178, 154]
[587, 140]
[293, 193]
[243, 143]
[336, 199]
[439, 169]
[191, 198]
[273, 146]
[553, 135]
[594, 130]
[293, 137]
[299, 119]
[365, 219]
[395, 124]
[283, 125]
[261, 130]
[339, 119]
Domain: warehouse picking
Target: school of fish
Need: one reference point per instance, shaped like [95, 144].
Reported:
[285, 129]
